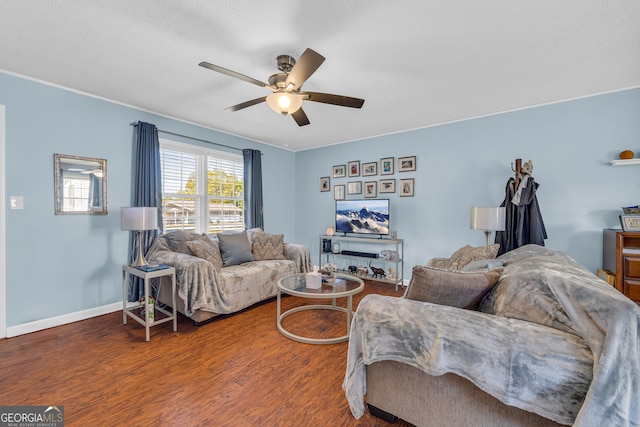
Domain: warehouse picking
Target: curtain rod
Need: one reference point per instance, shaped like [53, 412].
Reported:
[191, 137]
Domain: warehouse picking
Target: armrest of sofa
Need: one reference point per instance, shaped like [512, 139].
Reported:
[300, 255]
[194, 276]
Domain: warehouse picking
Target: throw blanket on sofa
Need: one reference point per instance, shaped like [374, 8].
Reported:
[201, 285]
[553, 339]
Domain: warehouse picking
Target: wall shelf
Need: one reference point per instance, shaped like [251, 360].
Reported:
[625, 162]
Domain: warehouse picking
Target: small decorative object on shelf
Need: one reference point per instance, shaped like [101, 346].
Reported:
[377, 272]
[392, 274]
[626, 155]
[630, 222]
[389, 255]
[631, 210]
[329, 267]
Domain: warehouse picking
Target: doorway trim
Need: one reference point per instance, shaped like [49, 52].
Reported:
[3, 215]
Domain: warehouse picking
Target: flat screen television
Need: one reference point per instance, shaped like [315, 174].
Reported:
[364, 216]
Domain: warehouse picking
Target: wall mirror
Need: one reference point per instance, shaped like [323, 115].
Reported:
[80, 185]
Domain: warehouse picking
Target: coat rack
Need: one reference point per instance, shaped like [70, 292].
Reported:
[518, 172]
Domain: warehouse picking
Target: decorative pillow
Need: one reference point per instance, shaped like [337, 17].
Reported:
[177, 240]
[466, 254]
[253, 231]
[453, 288]
[267, 246]
[234, 248]
[482, 263]
[206, 250]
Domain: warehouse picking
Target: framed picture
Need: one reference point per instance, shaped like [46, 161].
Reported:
[338, 192]
[325, 184]
[406, 164]
[339, 171]
[354, 187]
[406, 187]
[386, 166]
[370, 169]
[630, 222]
[354, 168]
[371, 189]
[387, 186]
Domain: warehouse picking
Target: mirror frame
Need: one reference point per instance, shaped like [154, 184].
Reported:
[59, 160]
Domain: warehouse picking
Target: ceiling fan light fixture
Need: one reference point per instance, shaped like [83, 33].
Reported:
[284, 102]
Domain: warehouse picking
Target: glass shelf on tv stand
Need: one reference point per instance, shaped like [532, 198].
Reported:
[363, 261]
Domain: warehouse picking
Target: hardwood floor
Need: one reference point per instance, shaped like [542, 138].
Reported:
[235, 371]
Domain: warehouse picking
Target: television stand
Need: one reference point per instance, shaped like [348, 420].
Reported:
[358, 255]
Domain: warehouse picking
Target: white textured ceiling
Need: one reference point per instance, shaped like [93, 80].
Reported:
[417, 63]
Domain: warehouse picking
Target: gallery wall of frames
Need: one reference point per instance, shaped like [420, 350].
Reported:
[371, 178]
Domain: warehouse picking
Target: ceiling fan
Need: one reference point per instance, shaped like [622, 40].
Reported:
[287, 96]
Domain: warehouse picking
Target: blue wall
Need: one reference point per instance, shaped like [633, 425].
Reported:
[61, 264]
[468, 163]
[64, 264]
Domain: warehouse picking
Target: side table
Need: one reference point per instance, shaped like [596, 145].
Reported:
[147, 276]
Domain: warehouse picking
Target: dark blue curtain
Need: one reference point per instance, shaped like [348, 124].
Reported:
[253, 189]
[147, 191]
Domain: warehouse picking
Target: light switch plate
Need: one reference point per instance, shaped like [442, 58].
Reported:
[17, 202]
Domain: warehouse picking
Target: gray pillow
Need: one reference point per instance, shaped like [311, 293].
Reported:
[234, 248]
[177, 240]
[452, 288]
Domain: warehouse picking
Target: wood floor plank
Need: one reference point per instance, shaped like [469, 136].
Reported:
[237, 370]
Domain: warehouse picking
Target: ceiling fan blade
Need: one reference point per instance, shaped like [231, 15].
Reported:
[327, 98]
[247, 104]
[300, 117]
[233, 74]
[306, 65]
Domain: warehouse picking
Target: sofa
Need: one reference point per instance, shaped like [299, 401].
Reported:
[530, 338]
[227, 272]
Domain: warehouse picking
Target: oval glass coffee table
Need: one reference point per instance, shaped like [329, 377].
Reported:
[342, 286]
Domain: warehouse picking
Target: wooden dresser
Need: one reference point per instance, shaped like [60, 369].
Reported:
[621, 256]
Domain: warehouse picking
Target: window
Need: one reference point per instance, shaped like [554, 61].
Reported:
[75, 192]
[202, 189]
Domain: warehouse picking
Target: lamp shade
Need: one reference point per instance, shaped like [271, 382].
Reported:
[139, 218]
[487, 219]
[284, 102]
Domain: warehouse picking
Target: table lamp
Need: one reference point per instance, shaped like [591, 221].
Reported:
[487, 219]
[139, 219]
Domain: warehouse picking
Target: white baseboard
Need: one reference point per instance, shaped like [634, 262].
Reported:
[38, 325]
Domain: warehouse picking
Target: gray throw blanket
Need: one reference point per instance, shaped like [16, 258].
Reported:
[551, 338]
[201, 286]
